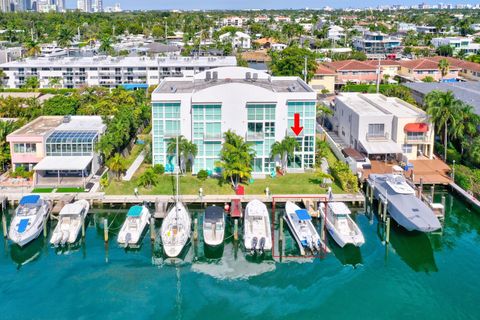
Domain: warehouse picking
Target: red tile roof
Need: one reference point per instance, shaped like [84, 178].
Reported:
[461, 64]
[383, 63]
[423, 64]
[348, 65]
[323, 70]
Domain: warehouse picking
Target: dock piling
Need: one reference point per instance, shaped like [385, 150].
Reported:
[235, 230]
[384, 214]
[280, 232]
[83, 227]
[45, 220]
[443, 205]
[420, 189]
[387, 239]
[105, 229]
[152, 229]
[322, 229]
[4, 224]
[432, 193]
[195, 229]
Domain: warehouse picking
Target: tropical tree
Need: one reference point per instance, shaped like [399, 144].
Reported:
[284, 149]
[32, 83]
[467, 122]
[291, 62]
[6, 127]
[32, 47]
[55, 82]
[117, 165]
[323, 111]
[236, 158]
[2, 77]
[148, 178]
[106, 45]
[187, 151]
[442, 108]
[444, 67]
[65, 37]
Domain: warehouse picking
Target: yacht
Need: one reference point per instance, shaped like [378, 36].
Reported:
[257, 232]
[70, 221]
[132, 229]
[29, 217]
[214, 226]
[176, 227]
[300, 223]
[341, 226]
[404, 207]
[52, 51]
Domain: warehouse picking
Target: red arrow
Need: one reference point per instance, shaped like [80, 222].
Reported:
[296, 124]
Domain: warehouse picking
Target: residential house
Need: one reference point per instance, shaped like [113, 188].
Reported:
[417, 70]
[239, 40]
[352, 71]
[323, 79]
[458, 44]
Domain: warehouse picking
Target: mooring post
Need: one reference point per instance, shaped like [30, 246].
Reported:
[387, 239]
[280, 232]
[379, 207]
[195, 229]
[152, 229]
[420, 190]
[322, 228]
[45, 220]
[443, 205]
[385, 205]
[4, 224]
[105, 229]
[235, 230]
[83, 227]
[432, 192]
[371, 194]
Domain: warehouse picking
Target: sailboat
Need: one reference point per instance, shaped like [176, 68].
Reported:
[69, 223]
[176, 226]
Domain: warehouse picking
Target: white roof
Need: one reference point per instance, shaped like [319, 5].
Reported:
[381, 147]
[83, 123]
[64, 163]
[339, 208]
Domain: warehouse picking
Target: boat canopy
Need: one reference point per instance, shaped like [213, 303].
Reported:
[31, 199]
[213, 214]
[135, 211]
[302, 214]
[339, 208]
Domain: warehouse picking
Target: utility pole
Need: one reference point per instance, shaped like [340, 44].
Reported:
[305, 70]
[378, 75]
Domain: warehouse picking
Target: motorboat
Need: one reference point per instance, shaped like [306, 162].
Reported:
[214, 226]
[176, 227]
[257, 232]
[29, 217]
[70, 221]
[300, 223]
[132, 229]
[340, 225]
[404, 207]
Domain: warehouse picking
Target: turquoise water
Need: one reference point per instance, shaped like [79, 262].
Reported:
[416, 276]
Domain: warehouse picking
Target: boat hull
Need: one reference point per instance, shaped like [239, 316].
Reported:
[34, 227]
[257, 225]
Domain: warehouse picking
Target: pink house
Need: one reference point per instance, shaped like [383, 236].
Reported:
[353, 71]
[27, 143]
[419, 69]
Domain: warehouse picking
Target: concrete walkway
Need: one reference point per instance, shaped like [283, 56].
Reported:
[134, 167]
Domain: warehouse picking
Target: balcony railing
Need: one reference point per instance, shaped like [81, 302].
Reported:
[418, 139]
[212, 137]
[377, 137]
[255, 136]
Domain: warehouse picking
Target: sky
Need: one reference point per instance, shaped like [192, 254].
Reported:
[256, 4]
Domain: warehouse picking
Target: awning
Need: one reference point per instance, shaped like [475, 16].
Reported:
[416, 127]
[63, 163]
[381, 147]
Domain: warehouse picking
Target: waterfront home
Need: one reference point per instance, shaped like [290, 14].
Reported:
[468, 70]
[60, 150]
[417, 70]
[239, 40]
[352, 71]
[377, 43]
[382, 127]
[458, 44]
[254, 104]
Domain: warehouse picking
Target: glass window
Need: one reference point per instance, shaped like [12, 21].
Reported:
[376, 129]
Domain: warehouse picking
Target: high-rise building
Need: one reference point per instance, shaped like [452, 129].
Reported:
[97, 5]
[5, 5]
[84, 5]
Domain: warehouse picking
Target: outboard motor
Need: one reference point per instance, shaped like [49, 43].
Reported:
[261, 245]
[254, 244]
[317, 246]
[128, 237]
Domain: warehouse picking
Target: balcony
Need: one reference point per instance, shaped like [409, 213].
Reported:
[213, 137]
[377, 136]
[171, 135]
[417, 140]
[255, 136]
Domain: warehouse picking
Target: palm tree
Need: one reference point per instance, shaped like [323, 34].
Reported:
[323, 111]
[442, 108]
[235, 158]
[6, 127]
[444, 67]
[117, 165]
[32, 83]
[32, 47]
[106, 45]
[172, 151]
[54, 82]
[467, 122]
[283, 150]
[65, 37]
[148, 178]
[2, 77]
[190, 151]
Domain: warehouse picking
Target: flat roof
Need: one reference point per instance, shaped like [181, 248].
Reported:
[108, 61]
[373, 104]
[82, 123]
[468, 92]
[40, 126]
[63, 163]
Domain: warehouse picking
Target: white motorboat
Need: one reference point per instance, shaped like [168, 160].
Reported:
[214, 226]
[70, 221]
[176, 226]
[303, 230]
[341, 226]
[132, 229]
[28, 220]
[257, 232]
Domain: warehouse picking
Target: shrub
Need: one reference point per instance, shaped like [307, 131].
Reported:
[20, 172]
[463, 181]
[342, 173]
[159, 169]
[202, 175]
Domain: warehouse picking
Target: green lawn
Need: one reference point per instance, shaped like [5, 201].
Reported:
[70, 190]
[303, 183]
[42, 190]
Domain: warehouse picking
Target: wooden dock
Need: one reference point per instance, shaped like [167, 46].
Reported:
[66, 199]
[467, 196]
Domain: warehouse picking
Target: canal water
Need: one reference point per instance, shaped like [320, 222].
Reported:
[415, 276]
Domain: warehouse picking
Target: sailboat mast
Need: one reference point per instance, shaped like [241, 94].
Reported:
[178, 167]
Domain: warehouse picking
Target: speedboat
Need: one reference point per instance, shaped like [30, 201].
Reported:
[214, 226]
[404, 207]
[341, 226]
[257, 233]
[70, 221]
[134, 225]
[28, 220]
[300, 223]
[175, 231]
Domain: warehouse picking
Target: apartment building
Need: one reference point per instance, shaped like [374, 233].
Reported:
[73, 72]
[259, 107]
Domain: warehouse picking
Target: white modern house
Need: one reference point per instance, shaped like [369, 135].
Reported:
[255, 105]
[336, 33]
[383, 127]
[458, 44]
[239, 40]
[107, 71]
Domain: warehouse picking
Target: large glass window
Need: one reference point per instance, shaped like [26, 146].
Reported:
[166, 125]
[207, 135]
[71, 143]
[25, 148]
[304, 156]
[261, 133]
[376, 130]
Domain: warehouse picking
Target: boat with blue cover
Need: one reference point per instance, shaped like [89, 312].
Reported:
[29, 217]
[300, 223]
[132, 229]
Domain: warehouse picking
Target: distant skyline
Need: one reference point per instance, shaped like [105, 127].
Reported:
[255, 4]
